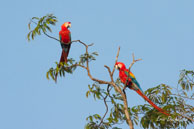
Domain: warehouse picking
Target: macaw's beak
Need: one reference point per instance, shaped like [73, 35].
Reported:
[69, 26]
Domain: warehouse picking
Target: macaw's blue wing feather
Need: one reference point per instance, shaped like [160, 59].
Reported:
[134, 81]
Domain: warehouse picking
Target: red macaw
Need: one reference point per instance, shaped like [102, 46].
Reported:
[65, 39]
[133, 84]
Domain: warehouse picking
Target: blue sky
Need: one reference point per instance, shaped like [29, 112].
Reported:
[160, 32]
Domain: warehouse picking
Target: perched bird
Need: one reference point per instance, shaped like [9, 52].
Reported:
[132, 83]
[65, 40]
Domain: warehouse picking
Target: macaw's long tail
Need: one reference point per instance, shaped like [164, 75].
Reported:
[62, 59]
[153, 104]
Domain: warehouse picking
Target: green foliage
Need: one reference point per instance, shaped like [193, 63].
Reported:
[41, 25]
[61, 69]
[186, 80]
[89, 57]
[70, 66]
[145, 115]
[116, 114]
[174, 103]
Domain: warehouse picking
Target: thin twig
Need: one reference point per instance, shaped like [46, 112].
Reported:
[78, 65]
[33, 22]
[115, 61]
[51, 36]
[87, 64]
[133, 61]
[105, 105]
[109, 71]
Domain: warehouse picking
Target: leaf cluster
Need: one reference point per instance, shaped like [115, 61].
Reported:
[71, 65]
[87, 57]
[61, 68]
[41, 25]
[182, 113]
[186, 79]
[116, 114]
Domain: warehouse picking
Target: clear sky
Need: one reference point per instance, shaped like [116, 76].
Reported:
[161, 32]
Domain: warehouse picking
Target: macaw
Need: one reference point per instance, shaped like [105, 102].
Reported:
[133, 84]
[65, 40]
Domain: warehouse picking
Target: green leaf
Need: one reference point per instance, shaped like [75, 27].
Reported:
[87, 93]
[49, 28]
[28, 36]
[29, 25]
[97, 116]
[35, 18]
[32, 36]
[90, 117]
[47, 75]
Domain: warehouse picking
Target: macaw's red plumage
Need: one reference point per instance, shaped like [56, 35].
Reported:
[132, 83]
[65, 40]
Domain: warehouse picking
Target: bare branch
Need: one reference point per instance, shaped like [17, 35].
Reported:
[79, 66]
[133, 61]
[108, 91]
[87, 64]
[51, 36]
[115, 61]
[109, 71]
[33, 22]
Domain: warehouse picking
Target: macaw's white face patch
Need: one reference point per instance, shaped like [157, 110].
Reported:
[118, 66]
[67, 24]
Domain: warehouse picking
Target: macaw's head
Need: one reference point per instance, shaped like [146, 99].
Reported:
[66, 25]
[120, 66]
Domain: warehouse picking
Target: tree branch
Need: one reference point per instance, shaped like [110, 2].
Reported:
[51, 36]
[133, 61]
[117, 88]
[115, 61]
[109, 71]
[78, 65]
[128, 117]
[87, 65]
[108, 91]
[129, 121]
